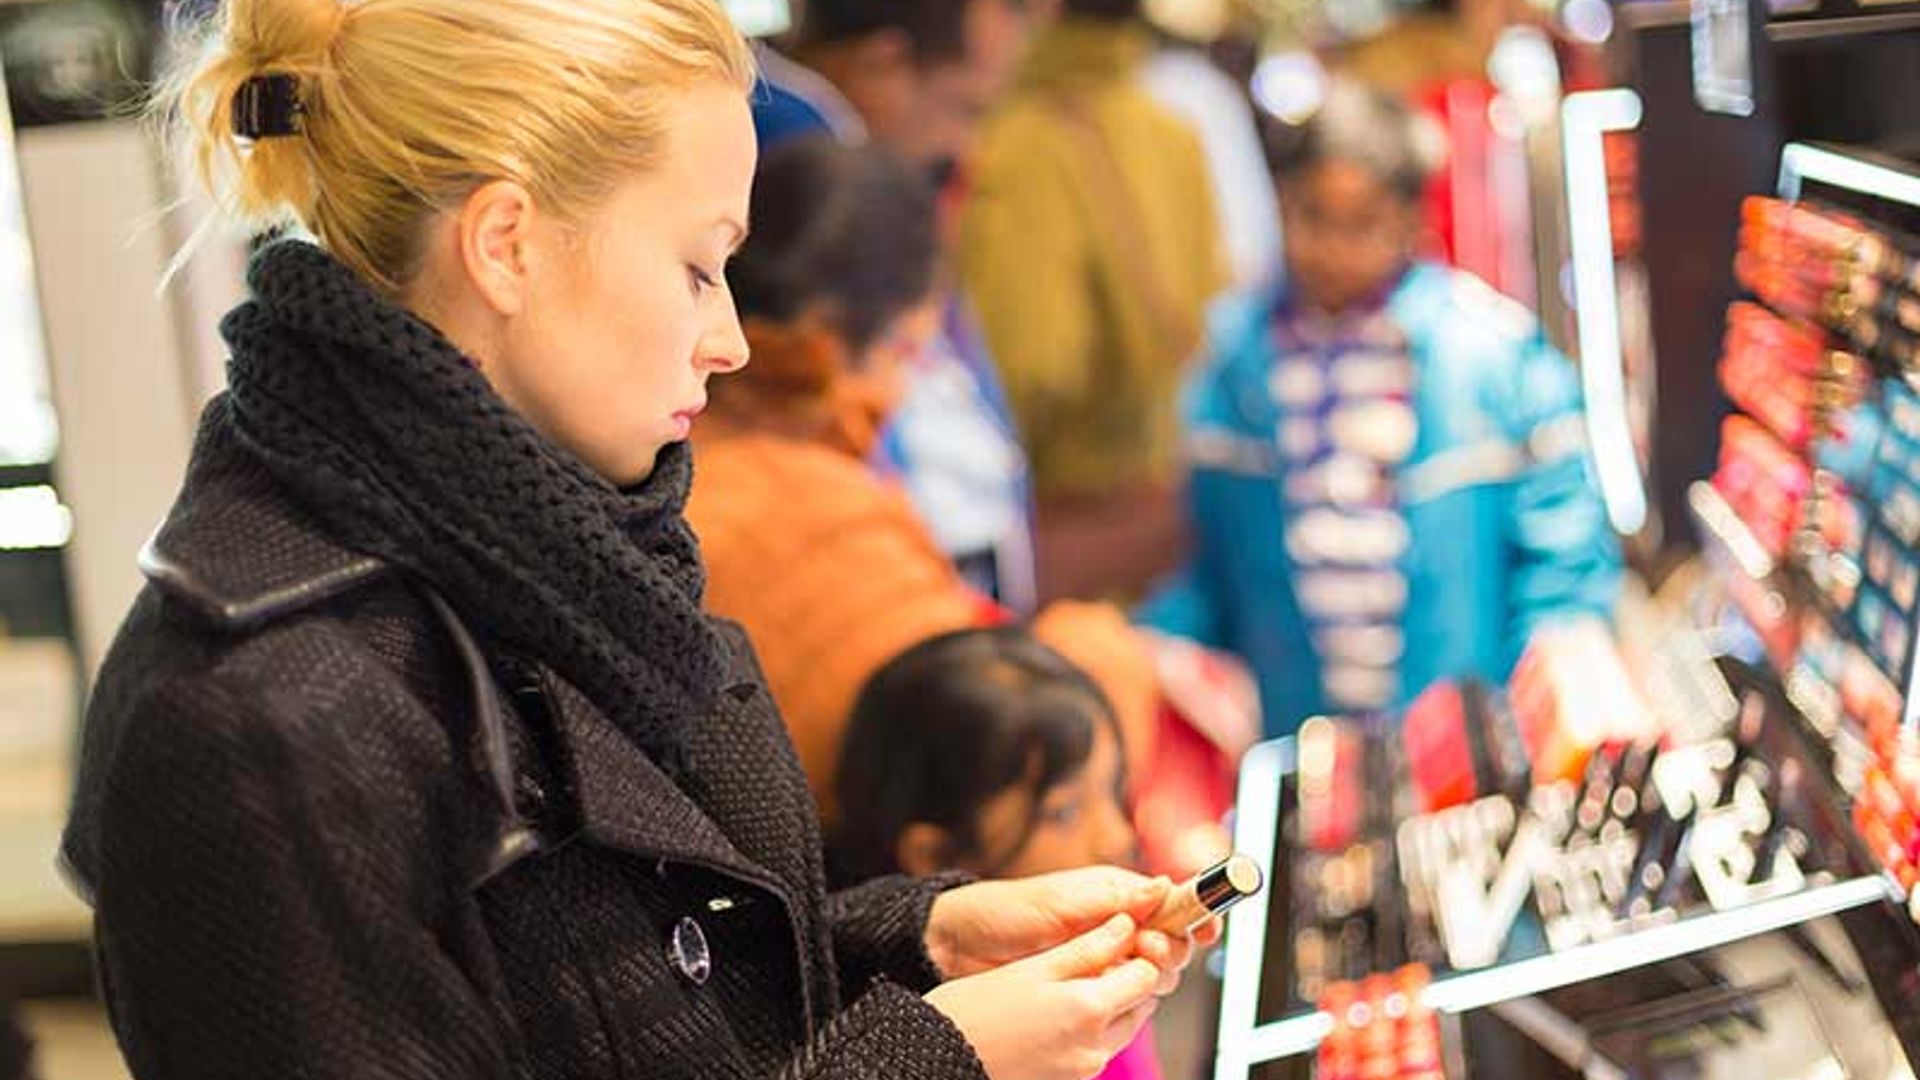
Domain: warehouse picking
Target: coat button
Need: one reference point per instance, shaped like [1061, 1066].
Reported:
[689, 953]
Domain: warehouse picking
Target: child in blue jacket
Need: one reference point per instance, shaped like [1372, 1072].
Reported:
[1388, 469]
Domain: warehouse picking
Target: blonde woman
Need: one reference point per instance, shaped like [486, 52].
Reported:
[418, 755]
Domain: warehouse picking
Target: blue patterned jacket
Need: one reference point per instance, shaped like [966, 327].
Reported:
[1509, 531]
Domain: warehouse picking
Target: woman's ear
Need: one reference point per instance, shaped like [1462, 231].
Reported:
[924, 849]
[495, 235]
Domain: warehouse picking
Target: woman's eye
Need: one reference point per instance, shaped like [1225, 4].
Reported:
[702, 281]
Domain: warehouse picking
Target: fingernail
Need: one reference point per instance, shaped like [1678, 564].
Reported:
[1119, 926]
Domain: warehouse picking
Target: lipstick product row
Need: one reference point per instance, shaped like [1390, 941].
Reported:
[1823, 467]
[1857, 279]
[1381, 1031]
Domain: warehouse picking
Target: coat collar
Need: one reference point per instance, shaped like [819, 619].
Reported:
[240, 554]
[236, 550]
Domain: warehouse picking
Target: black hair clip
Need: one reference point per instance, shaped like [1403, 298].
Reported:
[267, 106]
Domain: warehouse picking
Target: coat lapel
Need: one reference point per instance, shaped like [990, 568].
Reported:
[625, 802]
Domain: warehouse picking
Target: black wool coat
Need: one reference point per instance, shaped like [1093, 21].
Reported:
[329, 834]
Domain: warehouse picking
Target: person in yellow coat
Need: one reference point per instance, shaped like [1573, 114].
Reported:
[1090, 248]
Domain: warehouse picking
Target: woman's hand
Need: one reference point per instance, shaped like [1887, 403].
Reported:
[979, 927]
[1061, 1014]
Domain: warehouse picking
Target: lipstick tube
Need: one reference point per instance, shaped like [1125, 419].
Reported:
[1207, 895]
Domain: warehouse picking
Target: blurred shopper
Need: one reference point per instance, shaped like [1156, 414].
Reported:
[1389, 478]
[824, 561]
[917, 77]
[984, 751]
[1091, 247]
[1185, 80]
[418, 755]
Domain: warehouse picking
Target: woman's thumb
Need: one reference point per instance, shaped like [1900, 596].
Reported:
[1090, 895]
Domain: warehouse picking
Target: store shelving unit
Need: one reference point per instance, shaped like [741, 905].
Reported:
[1246, 1044]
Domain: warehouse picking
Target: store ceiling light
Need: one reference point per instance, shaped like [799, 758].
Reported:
[1291, 86]
[761, 18]
[1194, 20]
[1590, 21]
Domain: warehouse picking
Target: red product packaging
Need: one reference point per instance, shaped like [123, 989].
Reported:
[1826, 236]
[1791, 345]
[1381, 1029]
[1776, 283]
[1462, 742]
[1780, 371]
[1437, 750]
[1867, 694]
[1905, 768]
[1884, 799]
[1570, 694]
[1820, 234]
[1413, 981]
[1764, 482]
[1778, 398]
[1887, 846]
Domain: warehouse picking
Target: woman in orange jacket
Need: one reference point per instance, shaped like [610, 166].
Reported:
[822, 559]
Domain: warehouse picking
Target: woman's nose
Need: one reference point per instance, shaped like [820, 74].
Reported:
[724, 349]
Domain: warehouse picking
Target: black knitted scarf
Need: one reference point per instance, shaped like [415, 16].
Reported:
[402, 448]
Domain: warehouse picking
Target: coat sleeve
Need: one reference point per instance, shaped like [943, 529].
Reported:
[1565, 559]
[889, 1032]
[880, 930]
[240, 937]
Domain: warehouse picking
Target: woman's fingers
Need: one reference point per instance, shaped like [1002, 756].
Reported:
[1169, 954]
[1092, 953]
[1124, 987]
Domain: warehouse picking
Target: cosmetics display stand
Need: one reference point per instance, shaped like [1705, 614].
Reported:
[1821, 920]
[1733, 903]
[1261, 1036]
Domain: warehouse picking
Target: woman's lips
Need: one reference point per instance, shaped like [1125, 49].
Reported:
[683, 420]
